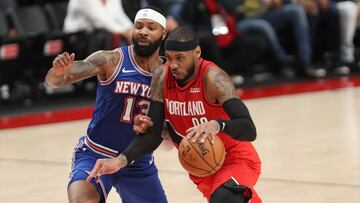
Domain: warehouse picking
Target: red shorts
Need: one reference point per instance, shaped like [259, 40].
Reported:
[245, 168]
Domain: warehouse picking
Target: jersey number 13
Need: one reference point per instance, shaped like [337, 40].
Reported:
[129, 105]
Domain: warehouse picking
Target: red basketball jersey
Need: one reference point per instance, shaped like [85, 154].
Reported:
[189, 106]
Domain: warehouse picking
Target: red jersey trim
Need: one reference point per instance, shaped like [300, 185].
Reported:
[100, 149]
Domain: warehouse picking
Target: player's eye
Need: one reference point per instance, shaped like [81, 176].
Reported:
[179, 58]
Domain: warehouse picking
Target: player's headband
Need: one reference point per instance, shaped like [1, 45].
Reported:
[175, 45]
[151, 14]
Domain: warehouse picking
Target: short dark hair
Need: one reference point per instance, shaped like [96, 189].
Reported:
[162, 12]
[182, 34]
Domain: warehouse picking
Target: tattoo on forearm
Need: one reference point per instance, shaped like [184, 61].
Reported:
[88, 67]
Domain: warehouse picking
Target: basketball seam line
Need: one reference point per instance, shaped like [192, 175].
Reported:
[200, 155]
[222, 154]
[206, 172]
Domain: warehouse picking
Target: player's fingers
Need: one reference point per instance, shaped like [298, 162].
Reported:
[60, 61]
[95, 170]
[64, 60]
[203, 137]
[72, 57]
[137, 129]
[144, 118]
[190, 129]
[212, 137]
[149, 123]
[137, 119]
[66, 57]
[190, 132]
[197, 135]
[56, 64]
[140, 118]
[91, 176]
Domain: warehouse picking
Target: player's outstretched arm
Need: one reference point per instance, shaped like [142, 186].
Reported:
[220, 89]
[65, 70]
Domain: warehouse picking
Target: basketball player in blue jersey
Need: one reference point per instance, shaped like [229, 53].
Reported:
[123, 91]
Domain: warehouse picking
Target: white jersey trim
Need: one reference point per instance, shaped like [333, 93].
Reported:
[166, 120]
[133, 61]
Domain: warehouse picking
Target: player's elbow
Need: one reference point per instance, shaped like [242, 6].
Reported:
[253, 135]
[250, 133]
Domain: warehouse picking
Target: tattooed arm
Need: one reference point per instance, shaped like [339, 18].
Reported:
[66, 71]
[157, 84]
[240, 126]
[221, 90]
[219, 86]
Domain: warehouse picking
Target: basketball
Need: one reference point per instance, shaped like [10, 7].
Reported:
[201, 159]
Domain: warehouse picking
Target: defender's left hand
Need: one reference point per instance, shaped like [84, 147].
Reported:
[107, 166]
[202, 131]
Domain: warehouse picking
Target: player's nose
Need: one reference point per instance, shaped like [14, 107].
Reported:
[143, 32]
[173, 66]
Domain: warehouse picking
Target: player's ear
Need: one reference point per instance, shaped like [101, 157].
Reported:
[198, 51]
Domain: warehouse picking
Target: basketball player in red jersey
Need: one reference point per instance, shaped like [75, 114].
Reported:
[197, 99]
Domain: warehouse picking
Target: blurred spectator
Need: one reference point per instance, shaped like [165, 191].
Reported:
[32, 2]
[93, 15]
[278, 56]
[216, 28]
[132, 6]
[324, 21]
[348, 22]
[290, 22]
[7, 4]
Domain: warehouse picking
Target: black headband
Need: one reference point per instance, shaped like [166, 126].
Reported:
[175, 45]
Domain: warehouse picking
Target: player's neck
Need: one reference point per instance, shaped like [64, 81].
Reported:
[150, 63]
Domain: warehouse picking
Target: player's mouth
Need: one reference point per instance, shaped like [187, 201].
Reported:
[175, 73]
[143, 42]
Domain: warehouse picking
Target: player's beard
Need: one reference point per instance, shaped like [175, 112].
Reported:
[146, 51]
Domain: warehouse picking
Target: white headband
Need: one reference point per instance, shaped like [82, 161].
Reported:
[151, 14]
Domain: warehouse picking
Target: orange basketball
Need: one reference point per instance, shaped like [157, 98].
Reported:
[201, 159]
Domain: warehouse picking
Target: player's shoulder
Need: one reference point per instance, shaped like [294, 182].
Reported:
[213, 72]
[159, 72]
[219, 84]
[106, 56]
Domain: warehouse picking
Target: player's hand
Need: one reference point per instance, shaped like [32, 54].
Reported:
[142, 123]
[62, 63]
[107, 166]
[202, 131]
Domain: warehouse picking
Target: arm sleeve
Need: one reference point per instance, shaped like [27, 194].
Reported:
[151, 139]
[241, 126]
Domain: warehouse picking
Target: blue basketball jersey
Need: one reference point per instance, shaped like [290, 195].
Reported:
[125, 94]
